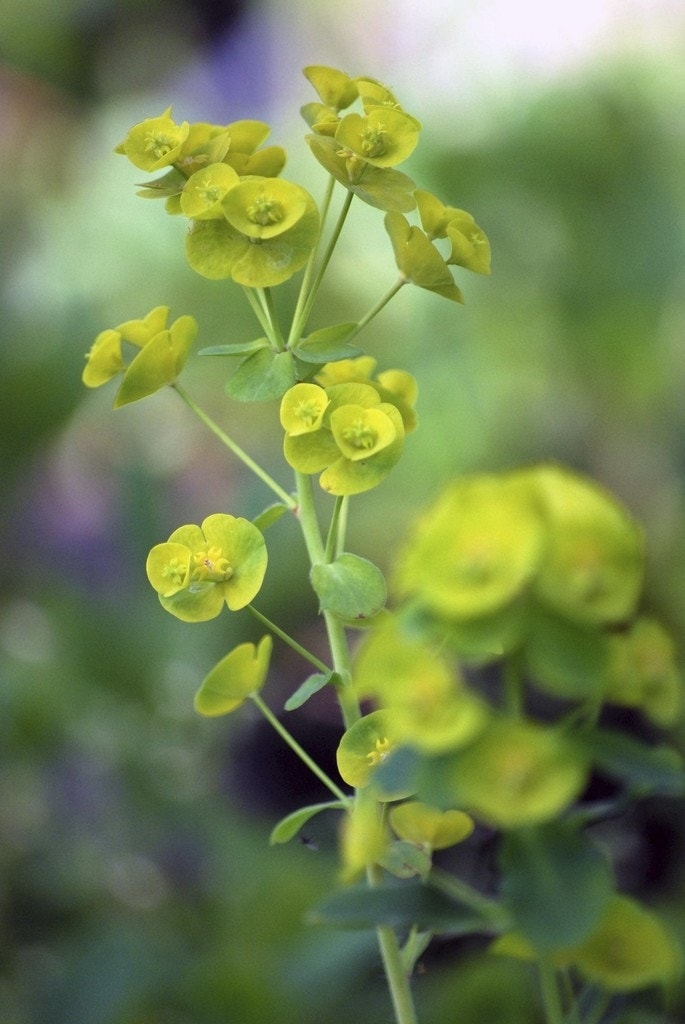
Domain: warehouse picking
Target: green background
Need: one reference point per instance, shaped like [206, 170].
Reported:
[136, 884]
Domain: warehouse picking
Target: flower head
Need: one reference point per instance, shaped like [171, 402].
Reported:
[201, 568]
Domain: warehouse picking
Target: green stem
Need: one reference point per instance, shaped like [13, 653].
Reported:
[311, 658]
[298, 322]
[334, 529]
[259, 311]
[551, 1000]
[332, 242]
[393, 965]
[462, 892]
[276, 335]
[375, 310]
[297, 749]
[337, 640]
[279, 491]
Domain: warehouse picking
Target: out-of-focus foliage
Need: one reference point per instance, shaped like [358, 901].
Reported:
[126, 821]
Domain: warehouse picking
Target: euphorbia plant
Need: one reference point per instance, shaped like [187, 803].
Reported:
[535, 573]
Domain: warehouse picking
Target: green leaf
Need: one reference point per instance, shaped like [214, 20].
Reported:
[328, 345]
[350, 586]
[399, 906]
[263, 376]
[269, 516]
[238, 348]
[643, 769]
[556, 883]
[289, 826]
[308, 688]
[404, 859]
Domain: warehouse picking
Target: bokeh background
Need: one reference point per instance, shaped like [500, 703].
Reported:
[136, 883]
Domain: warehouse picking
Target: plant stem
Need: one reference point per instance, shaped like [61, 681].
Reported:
[551, 1000]
[340, 655]
[298, 321]
[276, 335]
[397, 978]
[334, 530]
[297, 749]
[461, 891]
[279, 491]
[382, 302]
[311, 658]
[332, 242]
[259, 312]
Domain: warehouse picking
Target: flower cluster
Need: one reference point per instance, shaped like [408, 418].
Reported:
[246, 224]
[345, 432]
[159, 355]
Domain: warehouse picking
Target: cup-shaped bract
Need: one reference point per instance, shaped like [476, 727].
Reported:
[236, 677]
[223, 562]
[363, 747]
[593, 566]
[321, 119]
[475, 550]
[429, 826]
[335, 88]
[302, 409]
[155, 142]
[518, 773]
[643, 673]
[470, 246]
[354, 475]
[431, 706]
[397, 387]
[105, 359]
[417, 259]
[630, 949]
[158, 363]
[381, 187]
[361, 433]
[263, 208]
[384, 137]
[345, 431]
[204, 191]
[269, 253]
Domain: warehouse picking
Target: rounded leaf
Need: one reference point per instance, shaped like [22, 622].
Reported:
[351, 587]
[237, 676]
[384, 137]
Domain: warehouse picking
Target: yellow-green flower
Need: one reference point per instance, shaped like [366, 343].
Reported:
[518, 773]
[643, 673]
[363, 747]
[160, 356]
[345, 432]
[266, 234]
[470, 247]
[201, 568]
[156, 142]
